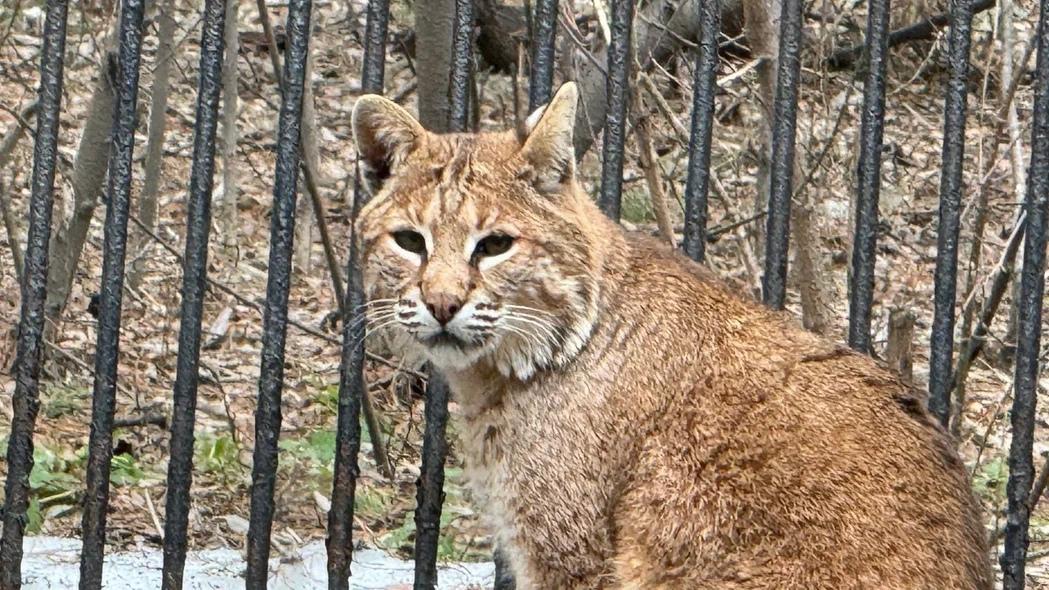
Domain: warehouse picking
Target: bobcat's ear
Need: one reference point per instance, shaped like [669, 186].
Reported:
[386, 134]
[548, 147]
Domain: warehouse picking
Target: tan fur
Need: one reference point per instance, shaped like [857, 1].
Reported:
[643, 426]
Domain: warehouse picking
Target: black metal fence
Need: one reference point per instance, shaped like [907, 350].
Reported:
[352, 387]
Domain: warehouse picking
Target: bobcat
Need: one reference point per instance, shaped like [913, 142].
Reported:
[628, 421]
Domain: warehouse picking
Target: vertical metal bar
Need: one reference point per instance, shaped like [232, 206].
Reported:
[868, 177]
[1032, 285]
[100, 443]
[26, 369]
[275, 315]
[351, 380]
[544, 33]
[781, 177]
[942, 339]
[429, 488]
[429, 493]
[459, 84]
[704, 87]
[339, 543]
[618, 96]
[374, 68]
[194, 280]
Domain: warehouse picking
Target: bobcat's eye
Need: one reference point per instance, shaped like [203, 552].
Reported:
[493, 245]
[411, 241]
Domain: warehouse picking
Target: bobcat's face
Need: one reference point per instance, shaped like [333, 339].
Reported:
[471, 249]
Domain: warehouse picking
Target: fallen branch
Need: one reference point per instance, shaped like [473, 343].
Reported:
[159, 420]
[920, 31]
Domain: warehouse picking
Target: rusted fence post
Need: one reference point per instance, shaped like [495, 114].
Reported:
[942, 339]
[868, 177]
[781, 177]
[26, 372]
[618, 94]
[100, 443]
[194, 283]
[275, 316]
[697, 185]
[1028, 342]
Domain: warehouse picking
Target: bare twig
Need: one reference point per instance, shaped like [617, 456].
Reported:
[153, 514]
[661, 103]
[158, 420]
[90, 370]
[1002, 273]
[403, 92]
[257, 307]
[716, 232]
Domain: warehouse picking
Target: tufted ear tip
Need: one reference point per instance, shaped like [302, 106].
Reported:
[385, 133]
[548, 144]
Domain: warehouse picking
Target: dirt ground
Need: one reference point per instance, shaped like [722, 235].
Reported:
[828, 127]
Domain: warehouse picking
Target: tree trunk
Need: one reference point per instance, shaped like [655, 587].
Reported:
[306, 216]
[433, 30]
[808, 264]
[147, 204]
[762, 18]
[12, 237]
[89, 173]
[227, 205]
[899, 352]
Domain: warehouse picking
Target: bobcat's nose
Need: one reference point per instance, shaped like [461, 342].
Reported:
[443, 306]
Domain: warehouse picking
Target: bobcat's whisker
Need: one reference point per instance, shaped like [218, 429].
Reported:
[378, 316]
[549, 314]
[375, 302]
[549, 330]
[534, 341]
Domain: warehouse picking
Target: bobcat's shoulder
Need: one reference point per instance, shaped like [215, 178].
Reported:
[630, 421]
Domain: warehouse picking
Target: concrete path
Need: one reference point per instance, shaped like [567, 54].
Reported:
[53, 564]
